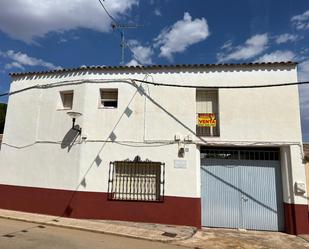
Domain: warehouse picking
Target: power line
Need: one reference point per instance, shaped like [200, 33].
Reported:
[108, 14]
[120, 28]
[222, 87]
[132, 81]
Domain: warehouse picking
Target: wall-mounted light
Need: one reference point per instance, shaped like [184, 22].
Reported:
[74, 116]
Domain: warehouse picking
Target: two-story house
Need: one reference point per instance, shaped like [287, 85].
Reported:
[199, 145]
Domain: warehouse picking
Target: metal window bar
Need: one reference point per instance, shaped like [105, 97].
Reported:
[136, 181]
[204, 131]
[256, 154]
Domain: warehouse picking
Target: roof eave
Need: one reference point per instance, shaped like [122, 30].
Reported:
[86, 68]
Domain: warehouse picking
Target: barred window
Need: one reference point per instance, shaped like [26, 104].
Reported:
[136, 181]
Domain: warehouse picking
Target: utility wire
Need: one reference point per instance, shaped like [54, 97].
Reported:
[188, 86]
[221, 87]
[132, 81]
[121, 34]
[107, 13]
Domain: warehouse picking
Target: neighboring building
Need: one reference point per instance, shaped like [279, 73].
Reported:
[306, 151]
[2, 116]
[193, 156]
[306, 155]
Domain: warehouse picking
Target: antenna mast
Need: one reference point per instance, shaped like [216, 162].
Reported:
[123, 44]
[120, 28]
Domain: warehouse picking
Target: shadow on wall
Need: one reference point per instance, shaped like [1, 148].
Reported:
[70, 138]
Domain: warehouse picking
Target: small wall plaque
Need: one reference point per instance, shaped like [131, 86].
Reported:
[180, 164]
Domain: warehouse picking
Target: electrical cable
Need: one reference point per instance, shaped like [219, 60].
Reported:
[121, 34]
[222, 87]
[130, 81]
[108, 14]
[124, 143]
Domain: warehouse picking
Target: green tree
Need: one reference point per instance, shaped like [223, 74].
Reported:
[2, 116]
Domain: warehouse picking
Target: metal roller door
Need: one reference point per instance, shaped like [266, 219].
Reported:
[241, 188]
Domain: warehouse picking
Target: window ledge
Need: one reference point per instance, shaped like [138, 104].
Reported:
[207, 135]
[106, 107]
[64, 109]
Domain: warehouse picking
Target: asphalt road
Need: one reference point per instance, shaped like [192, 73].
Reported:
[24, 235]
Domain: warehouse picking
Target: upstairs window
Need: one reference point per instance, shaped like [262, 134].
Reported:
[109, 98]
[66, 100]
[207, 113]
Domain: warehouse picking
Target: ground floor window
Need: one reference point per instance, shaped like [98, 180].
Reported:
[136, 181]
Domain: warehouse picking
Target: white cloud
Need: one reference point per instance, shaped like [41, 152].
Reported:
[227, 45]
[62, 40]
[13, 64]
[20, 60]
[27, 19]
[252, 47]
[301, 21]
[303, 71]
[283, 38]
[132, 63]
[277, 56]
[181, 35]
[140, 53]
[157, 12]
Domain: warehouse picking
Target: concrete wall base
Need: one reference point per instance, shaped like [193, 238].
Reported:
[296, 218]
[95, 205]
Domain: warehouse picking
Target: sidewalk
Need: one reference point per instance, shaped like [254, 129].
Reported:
[214, 238]
[146, 231]
[218, 238]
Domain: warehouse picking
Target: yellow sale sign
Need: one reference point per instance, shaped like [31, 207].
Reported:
[206, 119]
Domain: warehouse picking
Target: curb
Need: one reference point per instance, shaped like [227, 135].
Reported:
[54, 223]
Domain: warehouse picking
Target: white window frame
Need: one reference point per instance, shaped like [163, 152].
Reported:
[213, 131]
[101, 99]
[62, 100]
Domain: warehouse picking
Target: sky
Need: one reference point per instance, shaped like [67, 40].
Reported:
[44, 35]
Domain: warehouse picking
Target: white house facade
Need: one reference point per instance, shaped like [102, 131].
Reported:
[165, 144]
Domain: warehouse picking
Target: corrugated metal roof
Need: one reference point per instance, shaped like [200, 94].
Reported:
[86, 68]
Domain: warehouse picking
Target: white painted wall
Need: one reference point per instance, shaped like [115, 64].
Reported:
[247, 116]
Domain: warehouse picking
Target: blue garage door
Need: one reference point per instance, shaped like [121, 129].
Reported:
[241, 188]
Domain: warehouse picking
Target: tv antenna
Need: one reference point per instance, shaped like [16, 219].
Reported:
[120, 28]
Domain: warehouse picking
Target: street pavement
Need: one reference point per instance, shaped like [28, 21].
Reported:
[147, 231]
[24, 235]
[211, 238]
[28, 230]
